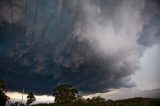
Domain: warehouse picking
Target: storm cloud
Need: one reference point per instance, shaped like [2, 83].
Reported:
[94, 45]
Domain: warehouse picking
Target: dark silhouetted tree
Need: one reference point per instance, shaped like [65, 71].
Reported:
[30, 98]
[80, 101]
[3, 97]
[97, 99]
[65, 94]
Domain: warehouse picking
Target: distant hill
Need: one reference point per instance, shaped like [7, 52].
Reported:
[138, 101]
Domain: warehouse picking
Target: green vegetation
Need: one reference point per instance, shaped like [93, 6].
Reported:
[67, 95]
[126, 102]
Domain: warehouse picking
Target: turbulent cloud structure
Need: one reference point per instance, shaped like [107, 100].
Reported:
[94, 45]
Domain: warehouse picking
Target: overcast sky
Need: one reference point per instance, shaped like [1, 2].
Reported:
[147, 77]
[98, 46]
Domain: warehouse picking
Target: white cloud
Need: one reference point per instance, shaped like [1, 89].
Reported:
[147, 77]
[125, 93]
[17, 97]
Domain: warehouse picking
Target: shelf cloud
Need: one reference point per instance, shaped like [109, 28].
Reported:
[94, 45]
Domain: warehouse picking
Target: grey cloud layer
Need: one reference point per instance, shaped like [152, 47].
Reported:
[94, 45]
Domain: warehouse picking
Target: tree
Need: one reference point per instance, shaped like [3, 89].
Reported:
[65, 94]
[30, 98]
[97, 99]
[80, 101]
[3, 97]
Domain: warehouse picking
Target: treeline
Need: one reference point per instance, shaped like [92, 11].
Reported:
[67, 95]
[126, 102]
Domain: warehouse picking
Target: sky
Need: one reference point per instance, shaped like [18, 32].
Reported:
[101, 47]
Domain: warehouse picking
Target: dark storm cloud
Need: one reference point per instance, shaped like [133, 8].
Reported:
[68, 44]
[151, 30]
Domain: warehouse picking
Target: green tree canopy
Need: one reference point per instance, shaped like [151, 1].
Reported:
[65, 93]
